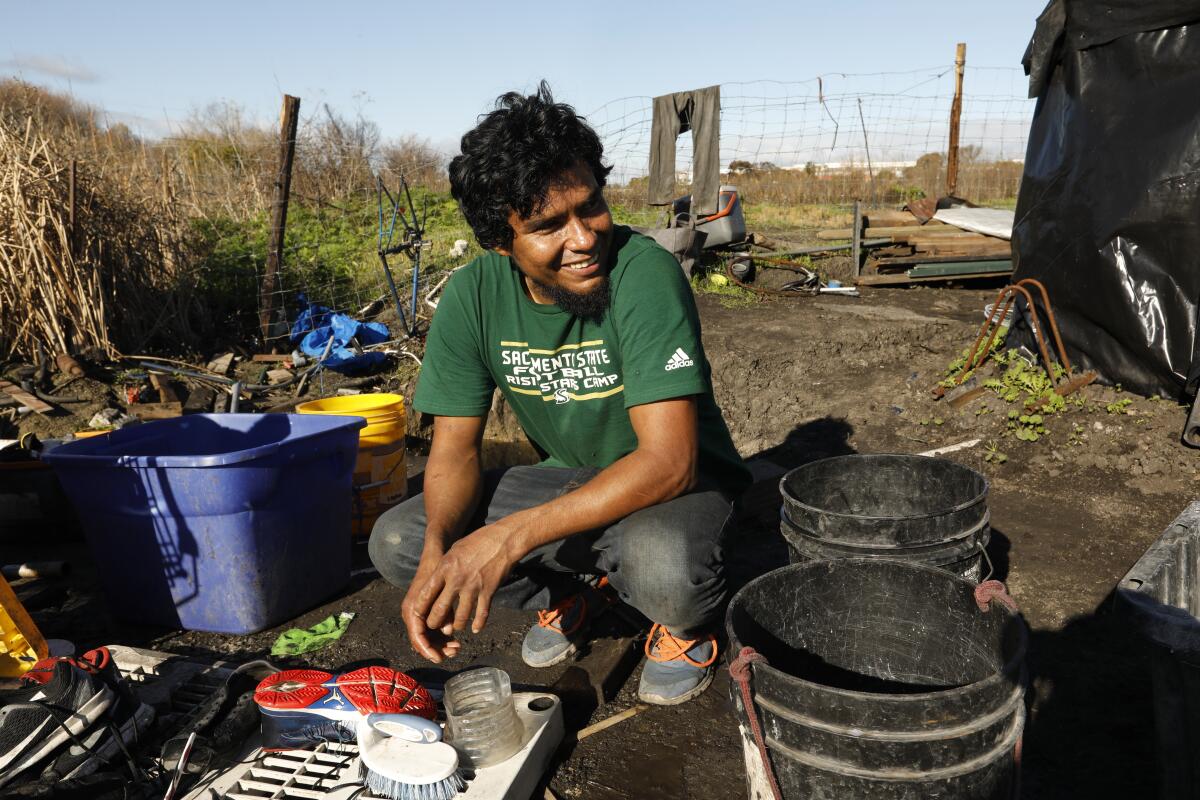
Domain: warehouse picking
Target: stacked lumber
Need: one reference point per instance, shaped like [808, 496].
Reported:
[911, 251]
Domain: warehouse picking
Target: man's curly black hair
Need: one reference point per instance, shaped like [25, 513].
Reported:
[510, 158]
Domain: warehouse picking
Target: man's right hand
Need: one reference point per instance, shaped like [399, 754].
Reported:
[433, 645]
[453, 483]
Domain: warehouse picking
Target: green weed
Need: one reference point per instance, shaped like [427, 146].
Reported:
[959, 364]
[729, 295]
[1119, 406]
[1019, 383]
[992, 454]
[1076, 437]
[1026, 427]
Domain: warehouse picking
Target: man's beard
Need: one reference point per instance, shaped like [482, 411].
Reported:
[590, 306]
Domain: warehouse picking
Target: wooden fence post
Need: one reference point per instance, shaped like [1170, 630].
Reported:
[856, 242]
[283, 185]
[960, 60]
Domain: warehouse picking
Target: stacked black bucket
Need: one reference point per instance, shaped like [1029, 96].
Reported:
[881, 668]
[906, 508]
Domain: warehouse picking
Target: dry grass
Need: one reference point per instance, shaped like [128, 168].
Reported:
[769, 217]
[815, 194]
[133, 275]
[77, 287]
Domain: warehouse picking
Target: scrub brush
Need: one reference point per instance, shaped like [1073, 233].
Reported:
[404, 758]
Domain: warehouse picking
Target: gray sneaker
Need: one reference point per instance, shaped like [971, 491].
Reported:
[676, 669]
[552, 639]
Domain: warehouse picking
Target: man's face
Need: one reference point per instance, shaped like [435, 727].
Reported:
[563, 248]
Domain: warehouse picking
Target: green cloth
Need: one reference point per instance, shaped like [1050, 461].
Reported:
[295, 641]
[571, 381]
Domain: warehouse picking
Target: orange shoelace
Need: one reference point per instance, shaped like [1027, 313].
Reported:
[672, 648]
[552, 617]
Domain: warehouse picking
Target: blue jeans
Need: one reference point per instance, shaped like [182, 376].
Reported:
[667, 561]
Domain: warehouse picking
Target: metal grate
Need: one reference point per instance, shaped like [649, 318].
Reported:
[176, 684]
[329, 771]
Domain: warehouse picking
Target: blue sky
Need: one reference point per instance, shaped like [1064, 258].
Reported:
[430, 68]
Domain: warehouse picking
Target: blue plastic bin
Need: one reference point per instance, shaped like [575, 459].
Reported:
[228, 523]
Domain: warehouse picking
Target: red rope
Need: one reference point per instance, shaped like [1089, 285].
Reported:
[1016, 792]
[988, 591]
[739, 670]
[985, 593]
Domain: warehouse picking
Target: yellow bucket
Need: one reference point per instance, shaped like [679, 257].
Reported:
[380, 473]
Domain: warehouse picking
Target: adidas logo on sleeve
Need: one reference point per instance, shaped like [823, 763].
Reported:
[678, 360]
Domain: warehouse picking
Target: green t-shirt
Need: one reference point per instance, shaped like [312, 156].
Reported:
[569, 380]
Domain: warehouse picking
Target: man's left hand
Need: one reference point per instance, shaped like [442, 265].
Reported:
[461, 587]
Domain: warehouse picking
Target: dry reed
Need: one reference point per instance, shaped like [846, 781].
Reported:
[106, 283]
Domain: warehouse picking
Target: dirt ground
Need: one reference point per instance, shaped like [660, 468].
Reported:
[800, 379]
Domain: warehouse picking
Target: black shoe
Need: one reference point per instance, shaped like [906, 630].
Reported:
[109, 742]
[228, 717]
[127, 719]
[38, 719]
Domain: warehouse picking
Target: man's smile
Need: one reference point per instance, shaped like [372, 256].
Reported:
[583, 269]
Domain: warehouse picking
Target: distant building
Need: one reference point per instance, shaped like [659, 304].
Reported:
[835, 167]
[842, 167]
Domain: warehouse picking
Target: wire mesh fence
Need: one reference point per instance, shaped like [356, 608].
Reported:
[226, 179]
[879, 136]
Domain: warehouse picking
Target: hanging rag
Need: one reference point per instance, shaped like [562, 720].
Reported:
[295, 641]
[700, 112]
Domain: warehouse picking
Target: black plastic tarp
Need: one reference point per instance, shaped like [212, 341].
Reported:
[1108, 215]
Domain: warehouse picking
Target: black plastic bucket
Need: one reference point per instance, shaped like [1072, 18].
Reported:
[962, 554]
[884, 679]
[884, 499]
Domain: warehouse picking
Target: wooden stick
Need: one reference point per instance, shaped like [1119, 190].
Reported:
[610, 721]
[25, 398]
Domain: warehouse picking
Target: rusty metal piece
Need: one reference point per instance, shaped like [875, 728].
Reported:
[1005, 301]
[966, 397]
[68, 365]
[1037, 334]
[992, 325]
[999, 312]
[1077, 382]
[1062, 350]
[923, 209]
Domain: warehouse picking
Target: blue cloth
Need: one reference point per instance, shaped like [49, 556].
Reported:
[343, 328]
[311, 317]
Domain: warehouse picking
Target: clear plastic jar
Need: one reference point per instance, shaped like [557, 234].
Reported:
[481, 719]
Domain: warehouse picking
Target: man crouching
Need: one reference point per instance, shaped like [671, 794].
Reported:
[591, 333]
